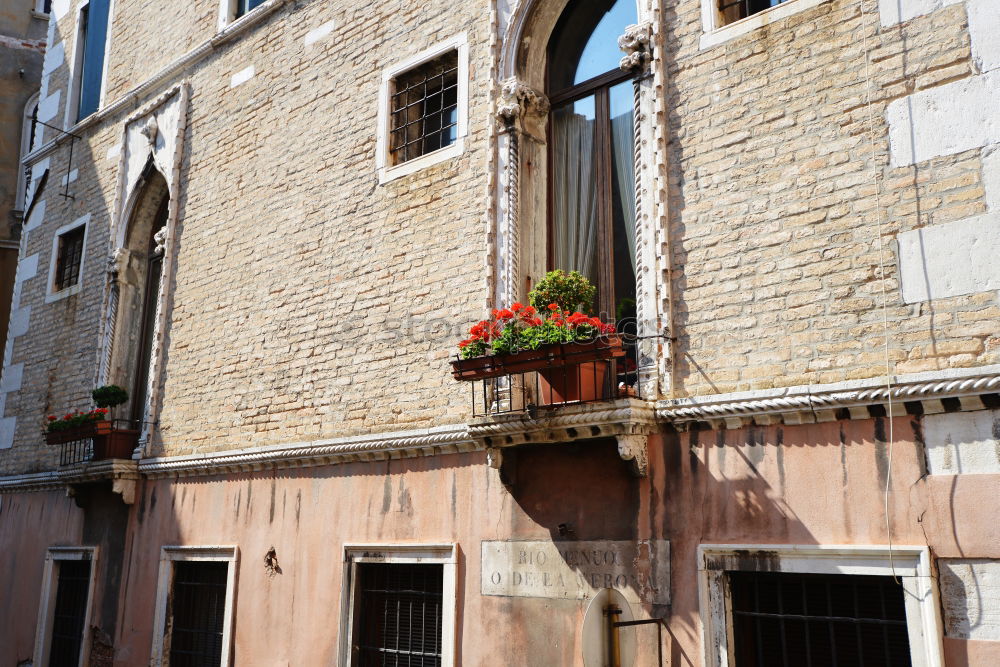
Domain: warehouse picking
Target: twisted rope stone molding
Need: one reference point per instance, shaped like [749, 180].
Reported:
[822, 404]
[444, 440]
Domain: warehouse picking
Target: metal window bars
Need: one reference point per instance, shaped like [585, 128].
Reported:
[817, 620]
[400, 615]
[424, 106]
[734, 10]
[119, 443]
[69, 258]
[553, 387]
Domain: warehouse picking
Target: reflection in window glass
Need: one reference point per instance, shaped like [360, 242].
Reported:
[574, 191]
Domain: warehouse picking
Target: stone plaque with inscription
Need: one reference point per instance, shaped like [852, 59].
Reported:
[577, 570]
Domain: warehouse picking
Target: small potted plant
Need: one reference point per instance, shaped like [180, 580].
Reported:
[552, 336]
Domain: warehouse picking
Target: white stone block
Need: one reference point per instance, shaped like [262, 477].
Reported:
[242, 76]
[7, 425]
[319, 33]
[54, 57]
[113, 152]
[12, 376]
[991, 177]
[962, 443]
[984, 31]
[970, 597]
[945, 120]
[950, 259]
[48, 107]
[892, 12]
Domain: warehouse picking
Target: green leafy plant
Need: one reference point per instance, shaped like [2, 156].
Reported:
[76, 419]
[570, 291]
[519, 328]
[109, 396]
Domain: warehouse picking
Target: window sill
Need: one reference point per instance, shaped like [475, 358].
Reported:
[39, 15]
[386, 174]
[717, 36]
[62, 294]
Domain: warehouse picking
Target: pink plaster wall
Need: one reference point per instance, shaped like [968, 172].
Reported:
[29, 524]
[810, 484]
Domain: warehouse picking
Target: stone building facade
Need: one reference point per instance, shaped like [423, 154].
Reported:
[812, 200]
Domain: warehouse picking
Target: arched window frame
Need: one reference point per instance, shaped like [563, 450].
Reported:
[30, 113]
[519, 200]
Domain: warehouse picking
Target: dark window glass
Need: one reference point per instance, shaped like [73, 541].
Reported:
[70, 251]
[425, 108]
[72, 590]
[818, 620]
[592, 156]
[47, 6]
[244, 6]
[398, 615]
[154, 268]
[94, 33]
[197, 609]
[734, 10]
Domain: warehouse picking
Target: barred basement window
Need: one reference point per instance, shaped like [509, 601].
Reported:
[425, 108]
[197, 608]
[734, 10]
[69, 615]
[818, 619]
[69, 258]
[399, 615]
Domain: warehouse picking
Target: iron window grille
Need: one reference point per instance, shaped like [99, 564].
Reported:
[734, 10]
[818, 620]
[198, 612]
[399, 615]
[244, 6]
[70, 255]
[424, 108]
[72, 591]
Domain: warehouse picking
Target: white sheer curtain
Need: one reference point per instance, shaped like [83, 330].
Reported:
[574, 196]
[623, 148]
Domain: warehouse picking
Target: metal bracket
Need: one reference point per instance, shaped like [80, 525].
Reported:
[69, 164]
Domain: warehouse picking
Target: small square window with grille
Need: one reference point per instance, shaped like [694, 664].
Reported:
[68, 258]
[424, 108]
[805, 620]
[734, 10]
[72, 591]
[398, 618]
[197, 609]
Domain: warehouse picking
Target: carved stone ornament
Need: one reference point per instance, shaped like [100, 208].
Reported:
[117, 262]
[633, 448]
[517, 99]
[160, 238]
[637, 43]
[150, 130]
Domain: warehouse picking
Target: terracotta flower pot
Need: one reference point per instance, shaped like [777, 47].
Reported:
[578, 383]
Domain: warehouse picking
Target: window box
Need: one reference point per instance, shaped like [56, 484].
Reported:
[557, 356]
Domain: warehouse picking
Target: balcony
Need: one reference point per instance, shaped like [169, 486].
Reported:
[96, 441]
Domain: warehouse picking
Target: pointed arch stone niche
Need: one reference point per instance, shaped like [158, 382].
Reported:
[142, 259]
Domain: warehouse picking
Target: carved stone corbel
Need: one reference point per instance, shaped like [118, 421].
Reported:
[637, 43]
[522, 108]
[494, 457]
[150, 129]
[160, 239]
[632, 448]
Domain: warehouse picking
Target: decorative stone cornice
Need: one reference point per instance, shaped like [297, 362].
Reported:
[405, 444]
[637, 44]
[38, 481]
[627, 420]
[809, 404]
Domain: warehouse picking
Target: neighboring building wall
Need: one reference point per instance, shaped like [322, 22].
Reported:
[22, 48]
